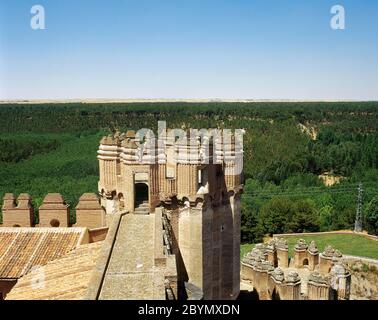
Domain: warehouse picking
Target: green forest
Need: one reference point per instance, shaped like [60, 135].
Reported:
[287, 147]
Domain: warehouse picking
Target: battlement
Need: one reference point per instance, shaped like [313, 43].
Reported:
[141, 169]
[18, 213]
[175, 145]
[53, 212]
[89, 212]
[309, 275]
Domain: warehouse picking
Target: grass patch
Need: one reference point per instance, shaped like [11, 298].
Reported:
[349, 244]
[244, 248]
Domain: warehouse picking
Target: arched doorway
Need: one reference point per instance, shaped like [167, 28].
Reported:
[141, 194]
[305, 262]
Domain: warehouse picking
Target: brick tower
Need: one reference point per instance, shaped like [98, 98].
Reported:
[196, 178]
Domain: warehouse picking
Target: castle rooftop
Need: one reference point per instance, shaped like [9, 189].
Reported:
[21, 249]
[66, 278]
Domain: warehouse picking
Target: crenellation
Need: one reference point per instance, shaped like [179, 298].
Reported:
[341, 280]
[54, 211]
[300, 254]
[295, 280]
[172, 173]
[89, 212]
[18, 213]
[326, 259]
[9, 201]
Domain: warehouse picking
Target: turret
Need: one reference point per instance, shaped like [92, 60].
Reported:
[313, 255]
[318, 287]
[326, 260]
[282, 249]
[341, 281]
[292, 286]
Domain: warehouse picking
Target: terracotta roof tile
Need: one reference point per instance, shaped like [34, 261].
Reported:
[65, 278]
[23, 248]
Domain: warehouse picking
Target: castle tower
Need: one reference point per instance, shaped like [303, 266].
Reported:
[312, 255]
[271, 252]
[282, 250]
[249, 263]
[326, 260]
[341, 281]
[191, 177]
[292, 288]
[300, 254]
[318, 287]
[20, 215]
[54, 212]
[89, 212]
[262, 278]
[128, 174]
[276, 282]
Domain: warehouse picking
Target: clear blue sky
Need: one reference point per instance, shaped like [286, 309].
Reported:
[254, 49]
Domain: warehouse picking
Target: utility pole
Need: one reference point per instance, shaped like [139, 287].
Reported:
[358, 223]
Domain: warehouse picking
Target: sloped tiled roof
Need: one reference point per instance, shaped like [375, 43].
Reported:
[65, 278]
[24, 248]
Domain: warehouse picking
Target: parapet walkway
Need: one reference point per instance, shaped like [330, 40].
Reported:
[130, 272]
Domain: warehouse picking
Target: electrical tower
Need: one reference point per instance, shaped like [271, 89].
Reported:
[358, 223]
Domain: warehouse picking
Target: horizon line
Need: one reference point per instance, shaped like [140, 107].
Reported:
[169, 100]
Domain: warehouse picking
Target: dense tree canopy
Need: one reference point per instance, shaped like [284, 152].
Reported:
[52, 148]
[372, 216]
